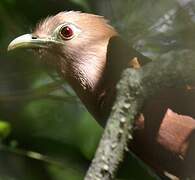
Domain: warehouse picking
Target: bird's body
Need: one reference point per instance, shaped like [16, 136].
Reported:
[91, 56]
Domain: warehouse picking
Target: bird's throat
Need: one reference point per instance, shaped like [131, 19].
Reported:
[86, 79]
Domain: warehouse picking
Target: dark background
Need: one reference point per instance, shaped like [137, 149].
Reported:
[45, 132]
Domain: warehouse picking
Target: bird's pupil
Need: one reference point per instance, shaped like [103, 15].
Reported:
[66, 32]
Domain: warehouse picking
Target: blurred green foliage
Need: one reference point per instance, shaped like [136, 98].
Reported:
[5, 129]
[53, 137]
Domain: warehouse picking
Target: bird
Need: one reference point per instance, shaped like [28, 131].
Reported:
[91, 55]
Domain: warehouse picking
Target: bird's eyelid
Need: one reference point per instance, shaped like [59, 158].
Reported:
[75, 29]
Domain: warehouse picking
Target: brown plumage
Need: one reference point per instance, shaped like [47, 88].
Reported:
[91, 55]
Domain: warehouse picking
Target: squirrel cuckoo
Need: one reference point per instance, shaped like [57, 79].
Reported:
[91, 55]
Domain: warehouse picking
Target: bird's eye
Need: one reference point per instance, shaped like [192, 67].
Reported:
[66, 32]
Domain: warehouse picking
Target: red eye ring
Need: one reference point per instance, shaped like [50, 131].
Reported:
[66, 32]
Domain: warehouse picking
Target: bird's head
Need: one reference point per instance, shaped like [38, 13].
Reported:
[76, 45]
[76, 42]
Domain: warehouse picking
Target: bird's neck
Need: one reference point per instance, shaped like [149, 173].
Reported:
[86, 74]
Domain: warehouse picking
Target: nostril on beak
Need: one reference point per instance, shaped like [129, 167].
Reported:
[34, 37]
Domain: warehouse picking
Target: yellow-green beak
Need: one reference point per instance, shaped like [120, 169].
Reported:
[28, 41]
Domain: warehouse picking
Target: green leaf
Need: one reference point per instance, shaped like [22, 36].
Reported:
[5, 129]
